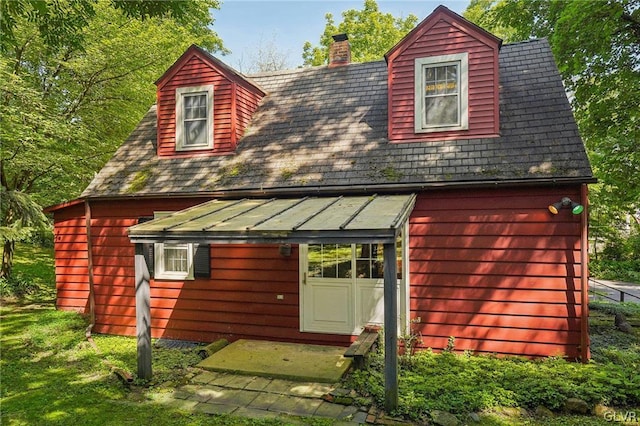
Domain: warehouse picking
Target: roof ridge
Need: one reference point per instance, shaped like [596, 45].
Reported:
[305, 69]
[531, 40]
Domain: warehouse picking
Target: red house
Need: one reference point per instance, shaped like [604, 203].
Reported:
[302, 205]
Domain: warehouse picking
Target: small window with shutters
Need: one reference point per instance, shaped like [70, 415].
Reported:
[176, 261]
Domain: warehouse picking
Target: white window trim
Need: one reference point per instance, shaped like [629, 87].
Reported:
[172, 275]
[180, 139]
[460, 59]
[158, 261]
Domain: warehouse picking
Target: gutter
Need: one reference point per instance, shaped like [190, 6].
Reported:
[352, 189]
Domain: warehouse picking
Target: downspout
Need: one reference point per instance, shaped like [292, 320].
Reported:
[92, 301]
[584, 275]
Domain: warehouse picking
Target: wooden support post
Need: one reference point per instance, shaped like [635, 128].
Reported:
[143, 314]
[390, 328]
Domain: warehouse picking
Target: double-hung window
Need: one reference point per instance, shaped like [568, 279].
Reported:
[441, 92]
[194, 118]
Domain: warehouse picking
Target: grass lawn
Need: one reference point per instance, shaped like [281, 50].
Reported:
[50, 374]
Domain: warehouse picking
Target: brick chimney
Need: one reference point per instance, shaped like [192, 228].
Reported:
[339, 51]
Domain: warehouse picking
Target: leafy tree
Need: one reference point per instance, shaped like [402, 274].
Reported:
[371, 34]
[70, 94]
[597, 48]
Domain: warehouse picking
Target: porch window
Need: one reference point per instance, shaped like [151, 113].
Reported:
[194, 118]
[441, 86]
[339, 260]
[329, 260]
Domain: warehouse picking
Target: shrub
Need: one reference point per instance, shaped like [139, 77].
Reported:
[16, 286]
[465, 383]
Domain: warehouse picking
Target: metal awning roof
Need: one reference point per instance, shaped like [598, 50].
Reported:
[374, 219]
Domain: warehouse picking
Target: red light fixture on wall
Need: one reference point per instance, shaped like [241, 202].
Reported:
[566, 202]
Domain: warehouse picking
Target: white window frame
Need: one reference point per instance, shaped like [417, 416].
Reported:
[159, 253]
[461, 60]
[180, 137]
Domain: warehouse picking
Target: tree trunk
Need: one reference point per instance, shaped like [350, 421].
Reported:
[7, 258]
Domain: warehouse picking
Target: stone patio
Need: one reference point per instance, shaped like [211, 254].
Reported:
[261, 397]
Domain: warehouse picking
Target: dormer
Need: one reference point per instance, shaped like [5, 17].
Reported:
[204, 106]
[443, 81]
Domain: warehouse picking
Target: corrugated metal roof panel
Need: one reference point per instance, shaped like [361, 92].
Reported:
[363, 218]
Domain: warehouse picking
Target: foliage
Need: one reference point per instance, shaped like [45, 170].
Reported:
[371, 34]
[461, 383]
[466, 383]
[75, 78]
[33, 279]
[616, 270]
[597, 48]
[20, 219]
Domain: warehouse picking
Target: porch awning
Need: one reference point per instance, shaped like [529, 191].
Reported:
[356, 219]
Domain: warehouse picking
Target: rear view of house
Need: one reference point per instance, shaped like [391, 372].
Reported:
[264, 207]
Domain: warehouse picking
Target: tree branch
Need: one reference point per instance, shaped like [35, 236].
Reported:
[634, 25]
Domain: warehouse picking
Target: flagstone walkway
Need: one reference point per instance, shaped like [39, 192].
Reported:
[260, 397]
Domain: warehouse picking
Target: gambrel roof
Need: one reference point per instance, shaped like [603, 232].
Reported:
[324, 130]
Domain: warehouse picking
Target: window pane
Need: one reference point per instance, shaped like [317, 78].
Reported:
[315, 260]
[195, 106]
[329, 260]
[195, 132]
[363, 266]
[451, 79]
[441, 110]
[175, 258]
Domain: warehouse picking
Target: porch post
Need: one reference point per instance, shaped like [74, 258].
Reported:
[143, 314]
[390, 328]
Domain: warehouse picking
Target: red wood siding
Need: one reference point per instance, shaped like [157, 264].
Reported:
[71, 260]
[497, 271]
[246, 105]
[233, 105]
[239, 301]
[445, 36]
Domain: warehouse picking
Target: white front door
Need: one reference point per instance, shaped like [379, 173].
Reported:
[342, 288]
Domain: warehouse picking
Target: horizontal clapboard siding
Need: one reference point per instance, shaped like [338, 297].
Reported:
[497, 271]
[195, 72]
[71, 260]
[445, 38]
[240, 300]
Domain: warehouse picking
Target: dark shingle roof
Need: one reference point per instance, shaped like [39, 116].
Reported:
[325, 129]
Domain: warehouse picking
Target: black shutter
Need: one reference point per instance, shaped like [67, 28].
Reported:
[147, 248]
[202, 261]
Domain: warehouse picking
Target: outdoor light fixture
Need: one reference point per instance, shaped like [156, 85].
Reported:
[566, 202]
[285, 250]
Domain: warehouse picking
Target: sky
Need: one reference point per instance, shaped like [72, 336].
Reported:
[245, 25]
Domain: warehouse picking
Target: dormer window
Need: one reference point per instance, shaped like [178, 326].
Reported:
[441, 92]
[194, 118]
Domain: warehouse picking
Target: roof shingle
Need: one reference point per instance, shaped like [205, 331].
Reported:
[325, 129]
